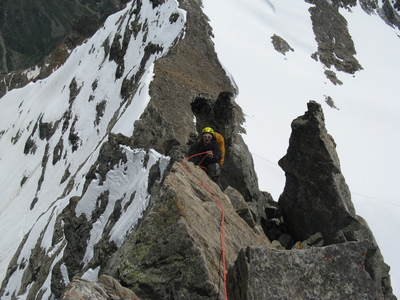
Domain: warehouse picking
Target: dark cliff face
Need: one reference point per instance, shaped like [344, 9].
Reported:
[316, 197]
[42, 34]
[29, 30]
[317, 201]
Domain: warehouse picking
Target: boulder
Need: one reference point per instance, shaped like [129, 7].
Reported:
[332, 272]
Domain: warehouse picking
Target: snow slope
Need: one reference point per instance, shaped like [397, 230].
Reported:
[365, 124]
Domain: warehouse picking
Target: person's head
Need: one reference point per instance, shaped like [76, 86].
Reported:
[208, 134]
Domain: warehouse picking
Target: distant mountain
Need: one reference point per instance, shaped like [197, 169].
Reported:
[29, 30]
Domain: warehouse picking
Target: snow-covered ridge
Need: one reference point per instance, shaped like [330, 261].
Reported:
[73, 111]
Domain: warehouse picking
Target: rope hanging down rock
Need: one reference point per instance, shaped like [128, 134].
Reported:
[222, 223]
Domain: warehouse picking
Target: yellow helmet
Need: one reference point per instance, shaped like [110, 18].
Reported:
[208, 130]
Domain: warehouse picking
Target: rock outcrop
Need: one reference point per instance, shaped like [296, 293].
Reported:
[335, 44]
[333, 272]
[316, 197]
[226, 117]
[335, 254]
[175, 253]
[30, 30]
[106, 288]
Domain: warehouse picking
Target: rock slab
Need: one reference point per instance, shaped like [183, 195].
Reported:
[333, 272]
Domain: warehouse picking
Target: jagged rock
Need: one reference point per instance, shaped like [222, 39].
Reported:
[333, 272]
[175, 253]
[27, 29]
[280, 44]
[389, 14]
[277, 245]
[335, 45]
[222, 114]
[273, 224]
[240, 205]
[369, 6]
[316, 239]
[272, 228]
[332, 77]
[286, 240]
[330, 102]
[191, 67]
[316, 202]
[106, 289]
[316, 197]
[226, 117]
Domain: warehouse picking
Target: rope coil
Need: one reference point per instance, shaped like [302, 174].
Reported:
[222, 222]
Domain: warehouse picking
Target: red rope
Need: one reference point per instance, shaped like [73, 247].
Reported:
[199, 164]
[222, 223]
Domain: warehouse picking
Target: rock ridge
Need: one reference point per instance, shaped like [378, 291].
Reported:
[175, 253]
[171, 248]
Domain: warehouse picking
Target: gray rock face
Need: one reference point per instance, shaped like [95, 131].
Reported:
[240, 205]
[316, 197]
[29, 30]
[316, 202]
[280, 44]
[333, 272]
[175, 253]
[335, 45]
[226, 117]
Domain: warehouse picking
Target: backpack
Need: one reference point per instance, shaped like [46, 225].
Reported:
[221, 143]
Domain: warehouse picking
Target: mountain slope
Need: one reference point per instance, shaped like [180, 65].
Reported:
[57, 126]
[91, 157]
[29, 30]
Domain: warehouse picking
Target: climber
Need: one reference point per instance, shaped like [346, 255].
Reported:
[220, 141]
[211, 157]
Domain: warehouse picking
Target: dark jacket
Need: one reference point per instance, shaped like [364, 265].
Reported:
[199, 147]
